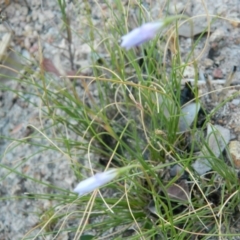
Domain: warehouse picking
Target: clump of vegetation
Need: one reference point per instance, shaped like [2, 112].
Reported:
[131, 113]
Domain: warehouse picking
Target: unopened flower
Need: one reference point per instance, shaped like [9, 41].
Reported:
[146, 32]
[90, 184]
[141, 34]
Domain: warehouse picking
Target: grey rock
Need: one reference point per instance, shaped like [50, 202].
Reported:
[217, 139]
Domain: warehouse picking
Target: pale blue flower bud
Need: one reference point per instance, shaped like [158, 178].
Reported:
[90, 184]
[141, 34]
[146, 32]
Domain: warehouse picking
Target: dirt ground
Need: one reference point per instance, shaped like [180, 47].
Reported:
[32, 20]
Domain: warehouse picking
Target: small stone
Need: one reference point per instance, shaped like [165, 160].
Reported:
[236, 101]
[208, 62]
[28, 18]
[23, 11]
[189, 72]
[35, 4]
[233, 136]
[35, 16]
[237, 129]
[178, 191]
[217, 139]
[231, 106]
[46, 16]
[38, 27]
[26, 55]
[222, 10]
[176, 8]
[217, 73]
[201, 75]
[218, 35]
[235, 22]
[27, 43]
[219, 58]
[188, 114]
[175, 170]
[28, 30]
[234, 149]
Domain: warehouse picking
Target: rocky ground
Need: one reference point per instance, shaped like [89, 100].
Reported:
[26, 24]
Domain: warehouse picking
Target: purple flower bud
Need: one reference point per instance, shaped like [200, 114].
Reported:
[147, 31]
[90, 184]
[141, 34]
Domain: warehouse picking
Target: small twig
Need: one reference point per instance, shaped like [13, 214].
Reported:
[212, 92]
[69, 39]
[227, 84]
[202, 82]
[66, 20]
[4, 44]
